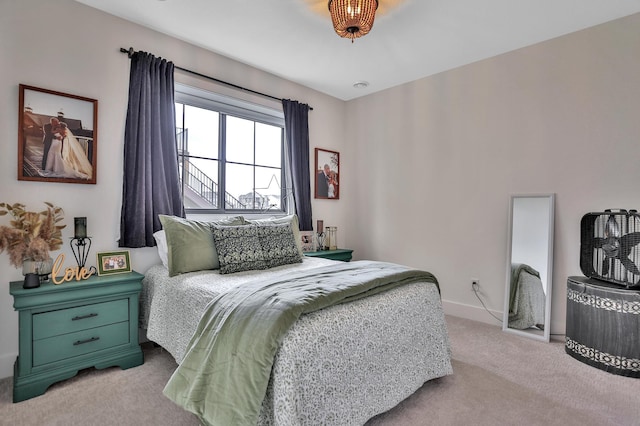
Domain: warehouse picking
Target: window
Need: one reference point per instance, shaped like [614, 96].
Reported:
[230, 153]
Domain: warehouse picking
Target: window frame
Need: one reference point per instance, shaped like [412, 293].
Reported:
[229, 106]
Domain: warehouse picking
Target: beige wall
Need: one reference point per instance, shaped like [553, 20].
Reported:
[435, 160]
[68, 47]
[427, 167]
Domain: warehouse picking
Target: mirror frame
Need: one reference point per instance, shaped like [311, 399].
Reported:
[545, 336]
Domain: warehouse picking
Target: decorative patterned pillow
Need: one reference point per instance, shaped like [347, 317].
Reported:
[238, 248]
[291, 219]
[278, 245]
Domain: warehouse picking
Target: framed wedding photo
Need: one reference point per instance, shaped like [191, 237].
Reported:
[113, 262]
[57, 136]
[327, 173]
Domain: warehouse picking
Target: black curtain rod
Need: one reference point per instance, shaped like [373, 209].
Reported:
[130, 53]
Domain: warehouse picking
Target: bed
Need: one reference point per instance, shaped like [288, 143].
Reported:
[340, 365]
[526, 299]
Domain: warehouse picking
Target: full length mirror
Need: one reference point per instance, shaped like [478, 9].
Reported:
[527, 306]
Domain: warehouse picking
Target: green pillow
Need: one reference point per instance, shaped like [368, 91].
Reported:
[190, 243]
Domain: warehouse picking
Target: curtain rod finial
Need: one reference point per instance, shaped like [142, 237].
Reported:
[129, 51]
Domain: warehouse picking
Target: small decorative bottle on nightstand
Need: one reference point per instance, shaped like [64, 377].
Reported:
[75, 325]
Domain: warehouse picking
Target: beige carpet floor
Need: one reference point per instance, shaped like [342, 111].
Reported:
[499, 379]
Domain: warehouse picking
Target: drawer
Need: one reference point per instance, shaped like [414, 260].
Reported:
[82, 342]
[64, 321]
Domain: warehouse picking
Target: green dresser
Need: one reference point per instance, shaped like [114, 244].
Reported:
[338, 254]
[75, 325]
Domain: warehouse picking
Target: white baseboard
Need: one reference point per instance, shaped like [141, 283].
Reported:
[471, 312]
[6, 365]
[476, 313]
[558, 329]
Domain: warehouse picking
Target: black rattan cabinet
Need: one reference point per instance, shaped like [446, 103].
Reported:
[603, 325]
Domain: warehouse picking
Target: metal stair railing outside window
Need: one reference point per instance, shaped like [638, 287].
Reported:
[199, 182]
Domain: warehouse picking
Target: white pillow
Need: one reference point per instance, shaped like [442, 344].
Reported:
[163, 251]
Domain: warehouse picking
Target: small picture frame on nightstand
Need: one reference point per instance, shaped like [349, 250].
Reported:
[307, 240]
[113, 262]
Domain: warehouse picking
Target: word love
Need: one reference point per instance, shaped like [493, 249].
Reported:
[70, 274]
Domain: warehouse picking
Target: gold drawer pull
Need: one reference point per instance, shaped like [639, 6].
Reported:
[82, 342]
[83, 317]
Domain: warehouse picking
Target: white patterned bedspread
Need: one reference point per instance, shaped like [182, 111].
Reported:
[338, 366]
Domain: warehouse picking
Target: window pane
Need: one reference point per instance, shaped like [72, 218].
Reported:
[268, 145]
[268, 187]
[200, 186]
[239, 140]
[239, 181]
[179, 110]
[180, 133]
[201, 132]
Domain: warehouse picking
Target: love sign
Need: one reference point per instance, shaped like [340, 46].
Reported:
[78, 273]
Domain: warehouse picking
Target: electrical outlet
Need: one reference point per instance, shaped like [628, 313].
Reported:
[475, 284]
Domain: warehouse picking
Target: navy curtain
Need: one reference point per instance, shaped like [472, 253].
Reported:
[296, 127]
[151, 184]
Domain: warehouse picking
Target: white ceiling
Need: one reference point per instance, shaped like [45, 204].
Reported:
[410, 39]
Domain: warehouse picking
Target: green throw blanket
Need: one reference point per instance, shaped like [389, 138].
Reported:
[224, 375]
[516, 270]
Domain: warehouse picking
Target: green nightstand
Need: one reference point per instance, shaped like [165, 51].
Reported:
[75, 325]
[338, 254]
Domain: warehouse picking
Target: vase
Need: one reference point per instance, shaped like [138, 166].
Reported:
[42, 268]
[31, 280]
[332, 237]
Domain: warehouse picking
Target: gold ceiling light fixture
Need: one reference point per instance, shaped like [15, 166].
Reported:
[352, 18]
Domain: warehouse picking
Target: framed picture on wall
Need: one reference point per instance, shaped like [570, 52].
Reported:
[57, 136]
[327, 173]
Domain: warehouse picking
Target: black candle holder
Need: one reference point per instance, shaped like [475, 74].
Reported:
[320, 237]
[80, 248]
